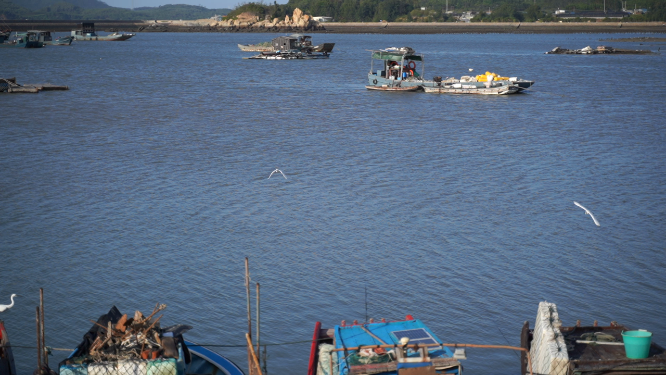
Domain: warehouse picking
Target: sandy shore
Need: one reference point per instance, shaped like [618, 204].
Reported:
[358, 27]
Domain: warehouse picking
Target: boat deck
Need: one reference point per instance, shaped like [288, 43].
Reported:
[603, 358]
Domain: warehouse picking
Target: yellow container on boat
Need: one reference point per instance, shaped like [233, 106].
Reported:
[484, 77]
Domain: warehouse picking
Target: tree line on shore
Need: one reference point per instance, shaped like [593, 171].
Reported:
[339, 10]
[436, 10]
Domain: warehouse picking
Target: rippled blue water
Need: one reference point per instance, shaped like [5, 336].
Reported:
[147, 182]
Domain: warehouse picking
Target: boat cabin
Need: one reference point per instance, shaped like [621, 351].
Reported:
[397, 64]
[87, 29]
[294, 43]
[45, 36]
[285, 43]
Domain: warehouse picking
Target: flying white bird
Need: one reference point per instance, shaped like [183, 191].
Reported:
[7, 307]
[587, 212]
[471, 70]
[277, 170]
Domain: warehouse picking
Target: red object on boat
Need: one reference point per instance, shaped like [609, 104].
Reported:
[312, 365]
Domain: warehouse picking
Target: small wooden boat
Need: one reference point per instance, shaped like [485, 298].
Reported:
[393, 88]
[87, 32]
[458, 88]
[205, 362]
[260, 47]
[387, 347]
[7, 366]
[9, 85]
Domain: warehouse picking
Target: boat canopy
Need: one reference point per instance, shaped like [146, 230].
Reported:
[382, 55]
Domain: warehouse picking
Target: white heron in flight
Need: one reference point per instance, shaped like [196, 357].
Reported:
[587, 212]
[7, 307]
[275, 171]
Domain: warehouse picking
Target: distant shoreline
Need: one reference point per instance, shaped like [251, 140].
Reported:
[356, 27]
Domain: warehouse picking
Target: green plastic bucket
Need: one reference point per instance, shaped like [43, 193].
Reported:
[637, 343]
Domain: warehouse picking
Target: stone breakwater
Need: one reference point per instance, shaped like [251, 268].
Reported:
[306, 24]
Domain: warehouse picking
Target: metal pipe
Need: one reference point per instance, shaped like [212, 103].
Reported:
[41, 309]
[39, 342]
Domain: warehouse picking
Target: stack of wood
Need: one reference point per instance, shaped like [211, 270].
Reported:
[129, 338]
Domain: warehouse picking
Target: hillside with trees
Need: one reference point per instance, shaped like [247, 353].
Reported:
[98, 10]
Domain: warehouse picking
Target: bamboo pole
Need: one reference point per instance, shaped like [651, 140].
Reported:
[249, 316]
[39, 342]
[255, 362]
[41, 309]
[258, 347]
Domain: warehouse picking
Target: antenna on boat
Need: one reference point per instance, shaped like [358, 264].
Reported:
[366, 303]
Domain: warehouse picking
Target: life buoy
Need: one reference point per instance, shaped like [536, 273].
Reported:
[374, 81]
[412, 65]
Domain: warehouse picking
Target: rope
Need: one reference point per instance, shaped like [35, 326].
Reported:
[197, 345]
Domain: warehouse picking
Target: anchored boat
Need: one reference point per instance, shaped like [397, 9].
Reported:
[397, 347]
[294, 42]
[398, 69]
[87, 32]
[491, 88]
[587, 350]
[118, 345]
[59, 41]
[294, 47]
[26, 39]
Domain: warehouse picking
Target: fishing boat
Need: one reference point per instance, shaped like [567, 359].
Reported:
[26, 39]
[116, 345]
[7, 366]
[461, 88]
[587, 350]
[294, 43]
[59, 41]
[399, 67]
[385, 347]
[87, 32]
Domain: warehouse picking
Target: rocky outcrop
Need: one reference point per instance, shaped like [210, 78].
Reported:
[248, 22]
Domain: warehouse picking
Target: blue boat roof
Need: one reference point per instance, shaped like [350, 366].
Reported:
[354, 335]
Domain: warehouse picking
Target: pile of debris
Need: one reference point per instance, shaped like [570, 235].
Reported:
[599, 50]
[116, 337]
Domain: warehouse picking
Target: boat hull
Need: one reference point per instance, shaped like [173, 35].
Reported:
[255, 48]
[108, 38]
[393, 88]
[288, 56]
[62, 41]
[472, 89]
[206, 361]
[7, 366]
